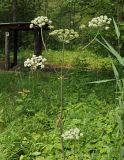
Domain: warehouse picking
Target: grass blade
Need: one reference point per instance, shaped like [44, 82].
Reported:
[116, 76]
[102, 81]
[114, 52]
[116, 29]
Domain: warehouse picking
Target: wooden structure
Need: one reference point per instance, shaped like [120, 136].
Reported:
[14, 28]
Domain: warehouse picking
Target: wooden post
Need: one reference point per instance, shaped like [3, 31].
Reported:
[40, 42]
[37, 42]
[15, 35]
[7, 50]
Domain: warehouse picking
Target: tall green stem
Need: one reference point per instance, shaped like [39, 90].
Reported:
[43, 40]
[119, 46]
[61, 101]
[74, 150]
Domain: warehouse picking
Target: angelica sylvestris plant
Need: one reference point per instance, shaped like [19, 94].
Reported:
[34, 62]
[64, 35]
[100, 22]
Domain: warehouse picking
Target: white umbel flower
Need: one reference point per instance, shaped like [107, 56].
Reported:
[40, 21]
[64, 35]
[35, 62]
[72, 134]
[100, 22]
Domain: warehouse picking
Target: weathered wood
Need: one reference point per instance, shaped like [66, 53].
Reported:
[7, 50]
[15, 27]
[19, 26]
[15, 39]
[37, 42]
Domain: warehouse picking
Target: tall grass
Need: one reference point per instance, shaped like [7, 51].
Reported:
[119, 86]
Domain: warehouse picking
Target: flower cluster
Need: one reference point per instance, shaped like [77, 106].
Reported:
[83, 26]
[64, 35]
[40, 21]
[35, 62]
[102, 21]
[71, 134]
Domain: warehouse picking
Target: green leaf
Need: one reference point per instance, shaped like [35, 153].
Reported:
[117, 76]
[115, 71]
[36, 154]
[113, 51]
[40, 158]
[116, 29]
[102, 44]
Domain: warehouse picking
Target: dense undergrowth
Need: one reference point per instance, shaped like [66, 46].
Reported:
[30, 108]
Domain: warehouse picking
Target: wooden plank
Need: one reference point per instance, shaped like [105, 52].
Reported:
[7, 50]
[19, 26]
[15, 26]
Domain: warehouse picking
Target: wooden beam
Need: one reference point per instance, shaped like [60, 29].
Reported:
[7, 50]
[19, 26]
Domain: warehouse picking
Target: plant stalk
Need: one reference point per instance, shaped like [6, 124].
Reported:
[43, 40]
[61, 101]
[74, 150]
